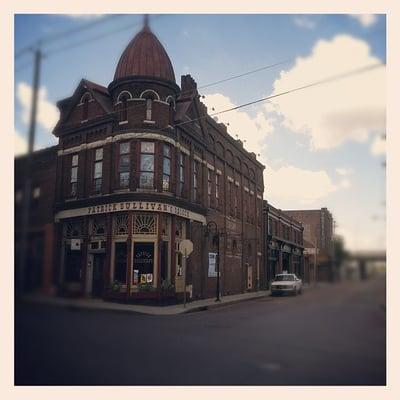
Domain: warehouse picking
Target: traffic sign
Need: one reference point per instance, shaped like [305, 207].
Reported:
[186, 247]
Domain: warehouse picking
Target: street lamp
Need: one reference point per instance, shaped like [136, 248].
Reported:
[216, 243]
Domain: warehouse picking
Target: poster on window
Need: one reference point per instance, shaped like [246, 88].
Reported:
[212, 265]
[135, 276]
[149, 278]
[142, 278]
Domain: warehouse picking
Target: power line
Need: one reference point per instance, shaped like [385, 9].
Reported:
[62, 34]
[94, 38]
[309, 85]
[320, 82]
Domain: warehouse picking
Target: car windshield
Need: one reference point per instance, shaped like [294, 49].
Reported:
[284, 278]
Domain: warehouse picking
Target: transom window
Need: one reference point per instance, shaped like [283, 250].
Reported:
[144, 224]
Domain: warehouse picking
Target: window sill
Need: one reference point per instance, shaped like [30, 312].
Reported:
[146, 121]
[122, 190]
[146, 190]
[122, 122]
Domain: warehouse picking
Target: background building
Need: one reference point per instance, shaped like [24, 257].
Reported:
[318, 232]
[283, 243]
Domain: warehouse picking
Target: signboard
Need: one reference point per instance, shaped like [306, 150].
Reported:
[186, 247]
[75, 244]
[212, 264]
[131, 206]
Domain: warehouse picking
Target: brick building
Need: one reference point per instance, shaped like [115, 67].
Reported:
[318, 234]
[283, 244]
[139, 167]
[39, 269]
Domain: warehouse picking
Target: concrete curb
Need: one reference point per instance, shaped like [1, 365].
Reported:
[89, 305]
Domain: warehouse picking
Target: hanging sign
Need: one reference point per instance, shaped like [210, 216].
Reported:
[212, 263]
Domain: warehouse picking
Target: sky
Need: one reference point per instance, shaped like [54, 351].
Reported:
[323, 146]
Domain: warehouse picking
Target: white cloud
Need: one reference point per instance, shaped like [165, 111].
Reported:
[48, 113]
[291, 187]
[20, 144]
[378, 146]
[252, 129]
[333, 113]
[304, 22]
[344, 171]
[366, 20]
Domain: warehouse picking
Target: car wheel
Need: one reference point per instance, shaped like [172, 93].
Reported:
[295, 292]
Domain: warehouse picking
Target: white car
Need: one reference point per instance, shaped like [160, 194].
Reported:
[286, 283]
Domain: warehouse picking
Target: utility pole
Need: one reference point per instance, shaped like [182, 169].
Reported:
[20, 273]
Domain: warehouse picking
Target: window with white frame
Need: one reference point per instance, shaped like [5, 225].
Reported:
[195, 180]
[181, 173]
[166, 182]
[209, 187]
[124, 164]
[146, 179]
[98, 170]
[74, 175]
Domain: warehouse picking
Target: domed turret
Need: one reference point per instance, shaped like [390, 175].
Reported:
[146, 57]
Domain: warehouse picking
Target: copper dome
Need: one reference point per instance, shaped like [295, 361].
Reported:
[145, 56]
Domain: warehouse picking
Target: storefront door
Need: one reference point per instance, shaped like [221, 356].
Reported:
[143, 263]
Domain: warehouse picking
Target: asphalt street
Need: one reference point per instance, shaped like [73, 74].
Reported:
[333, 335]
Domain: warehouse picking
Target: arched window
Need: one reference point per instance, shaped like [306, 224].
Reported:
[122, 99]
[149, 96]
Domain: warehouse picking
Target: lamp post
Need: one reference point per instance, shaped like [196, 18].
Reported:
[216, 242]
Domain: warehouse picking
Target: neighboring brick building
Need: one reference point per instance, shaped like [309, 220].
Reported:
[38, 273]
[140, 167]
[318, 232]
[283, 244]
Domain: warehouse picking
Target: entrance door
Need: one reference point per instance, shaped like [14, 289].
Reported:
[143, 262]
[98, 275]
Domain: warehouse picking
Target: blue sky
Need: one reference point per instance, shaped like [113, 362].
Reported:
[322, 146]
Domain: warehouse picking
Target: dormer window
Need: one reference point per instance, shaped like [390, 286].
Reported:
[84, 103]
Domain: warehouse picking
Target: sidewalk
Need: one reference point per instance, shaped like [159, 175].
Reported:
[98, 304]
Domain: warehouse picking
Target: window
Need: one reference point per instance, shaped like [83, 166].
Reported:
[270, 226]
[231, 201]
[124, 108]
[171, 102]
[195, 180]
[181, 174]
[98, 170]
[235, 203]
[209, 187]
[146, 165]
[74, 175]
[85, 108]
[149, 96]
[166, 182]
[124, 163]
[36, 193]
[217, 182]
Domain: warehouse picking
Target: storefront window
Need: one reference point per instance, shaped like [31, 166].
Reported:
[147, 165]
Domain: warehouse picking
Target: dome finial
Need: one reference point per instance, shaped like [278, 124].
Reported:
[146, 21]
